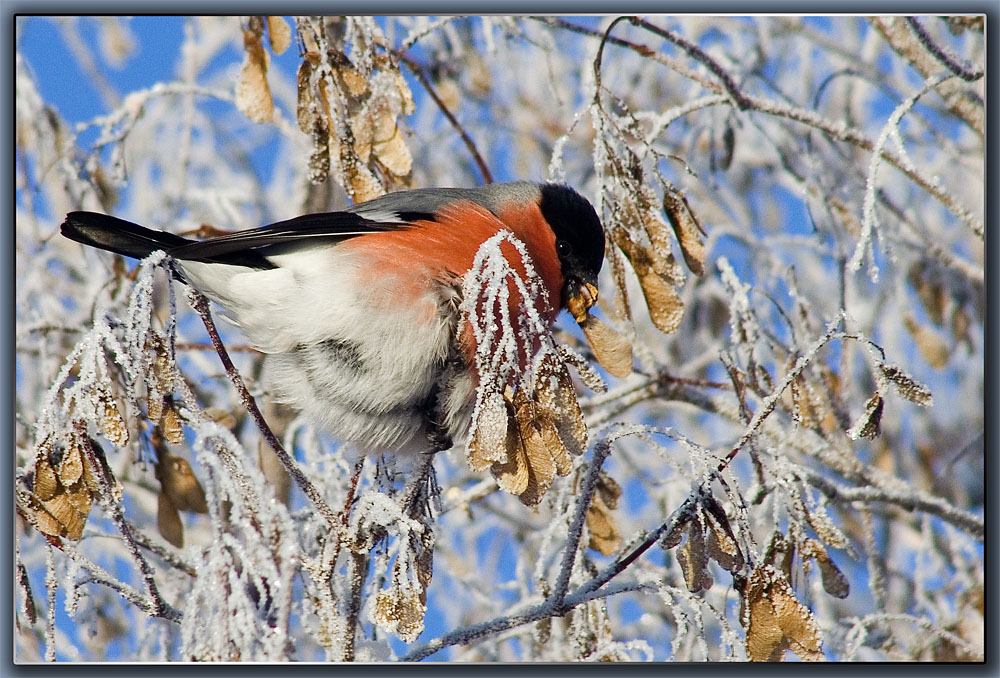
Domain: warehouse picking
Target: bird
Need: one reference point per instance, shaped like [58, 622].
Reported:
[358, 311]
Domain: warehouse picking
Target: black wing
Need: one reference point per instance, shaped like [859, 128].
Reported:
[243, 248]
[324, 227]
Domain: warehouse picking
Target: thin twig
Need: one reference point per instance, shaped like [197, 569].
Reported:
[101, 576]
[200, 346]
[646, 540]
[345, 513]
[948, 59]
[157, 607]
[200, 305]
[470, 634]
[741, 101]
[169, 556]
[357, 568]
[769, 403]
[908, 501]
[640, 49]
[575, 531]
[418, 71]
[24, 583]
[50, 597]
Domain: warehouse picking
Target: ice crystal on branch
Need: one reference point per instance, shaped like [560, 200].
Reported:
[526, 421]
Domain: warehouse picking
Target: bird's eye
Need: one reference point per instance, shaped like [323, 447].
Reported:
[562, 247]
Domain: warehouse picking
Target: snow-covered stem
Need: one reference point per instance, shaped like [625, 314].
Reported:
[601, 451]
[99, 575]
[200, 304]
[106, 494]
[907, 500]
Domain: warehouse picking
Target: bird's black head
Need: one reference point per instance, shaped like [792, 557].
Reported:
[579, 234]
[579, 241]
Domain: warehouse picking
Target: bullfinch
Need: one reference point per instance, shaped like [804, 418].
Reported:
[359, 311]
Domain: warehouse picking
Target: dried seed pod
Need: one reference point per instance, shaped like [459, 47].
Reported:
[112, 422]
[46, 483]
[44, 521]
[398, 610]
[90, 477]
[722, 545]
[221, 417]
[660, 238]
[605, 538]
[932, 347]
[776, 621]
[279, 34]
[478, 73]
[834, 581]
[535, 490]
[608, 490]
[71, 466]
[906, 385]
[363, 133]
[306, 110]
[932, 294]
[354, 81]
[540, 462]
[665, 306]
[319, 158]
[728, 146]
[612, 350]
[676, 533]
[723, 549]
[168, 520]
[424, 563]
[63, 510]
[693, 557]
[489, 441]
[405, 95]
[556, 449]
[154, 404]
[253, 94]
[448, 92]
[568, 418]
[869, 424]
[961, 322]
[163, 374]
[512, 475]
[170, 425]
[80, 497]
[394, 154]
[362, 185]
[688, 231]
[180, 484]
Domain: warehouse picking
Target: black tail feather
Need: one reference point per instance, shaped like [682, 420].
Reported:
[117, 235]
[132, 240]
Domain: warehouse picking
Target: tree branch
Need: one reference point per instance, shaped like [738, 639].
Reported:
[200, 305]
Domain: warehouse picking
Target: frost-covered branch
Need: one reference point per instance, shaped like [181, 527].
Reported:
[910, 500]
[200, 305]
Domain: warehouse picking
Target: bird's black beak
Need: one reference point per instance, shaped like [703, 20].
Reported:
[580, 296]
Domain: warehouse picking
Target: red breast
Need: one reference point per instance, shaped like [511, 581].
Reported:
[444, 250]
